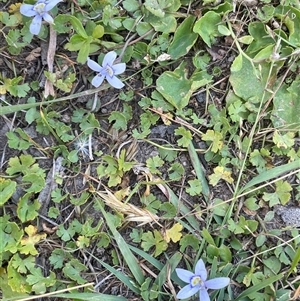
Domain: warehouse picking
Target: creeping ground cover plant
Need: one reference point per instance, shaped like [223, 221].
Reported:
[137, 137]
[197, 282]
[40, 11]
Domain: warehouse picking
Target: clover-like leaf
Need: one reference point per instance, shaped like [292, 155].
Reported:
[28, 242]
[174, 233]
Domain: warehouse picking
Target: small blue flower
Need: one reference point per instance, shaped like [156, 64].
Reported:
[108, 71]
[39, 11]
[197, 282]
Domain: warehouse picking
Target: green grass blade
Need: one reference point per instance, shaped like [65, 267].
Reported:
[124, 249]
[172, 264]
[90, 297]
[157, 264]
[271, 174]
[183, 209]
[121, 276]
[15, 108]
[199, 172]
[295, 261]
[259, 286]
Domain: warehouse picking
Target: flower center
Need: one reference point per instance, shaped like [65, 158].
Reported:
[109, 71]
[196, 280]
[39, 8]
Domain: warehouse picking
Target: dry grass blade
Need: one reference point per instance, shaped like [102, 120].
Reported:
[132, 212]
[49, 90]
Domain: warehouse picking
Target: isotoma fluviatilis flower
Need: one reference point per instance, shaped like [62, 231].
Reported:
[107, 71]
[39, 11]
[197, 282]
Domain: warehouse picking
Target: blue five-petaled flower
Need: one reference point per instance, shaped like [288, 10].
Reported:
[108, 71]
[39, 11]
[197, 282]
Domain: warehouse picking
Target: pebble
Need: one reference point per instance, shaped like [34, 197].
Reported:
[290, 215]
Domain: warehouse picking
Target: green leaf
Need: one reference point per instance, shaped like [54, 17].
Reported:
[225, 253]
[37, 182]
[131, 5]
[283, 189]
[98, 32]
[168, 154]
[72, 270]
[286, 105]
[220, 207]
[290, 16]
[7, 189]
[208, 238]
[223, 30]
[153, 163]
[23, 265]
[119, 120]
[260, 240]
[39, 282]
[189, 240]
[220, 173]
[19, 90]
[58, 258]
[284, 140]
[249, 82]
[154, 239]
[237, 111]
[195, 187]
[175, 87]
[76, 24]
[22, 164]
[186, 136]
[234, 227]
[176, 171]
[10, 235]
[216, 138]
[84, 51]
[261, 38]
[184, 38]
[154, 7]
[166, 25]
[16, 281]
[207, 27]
[27, 210]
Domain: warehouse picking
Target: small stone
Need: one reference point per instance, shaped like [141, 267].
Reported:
[290, 215]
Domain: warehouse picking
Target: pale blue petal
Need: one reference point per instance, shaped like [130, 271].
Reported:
[93, 65]
[187, 291]
[115, 82]
[48, 18]
[203, 295]
[98, 80]
[35, 25]
[200, 270]
[119, 68]
[217, 283]
[184, 275]
[51, 4]
[27, 10]
[109, 58]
